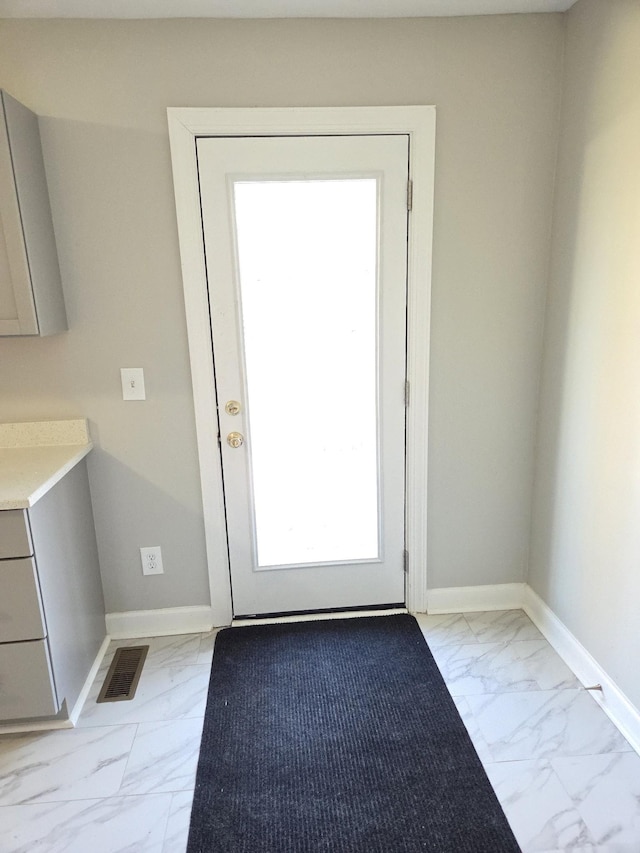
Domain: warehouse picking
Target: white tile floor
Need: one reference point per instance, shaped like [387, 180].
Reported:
[566, 778]
[123, 779]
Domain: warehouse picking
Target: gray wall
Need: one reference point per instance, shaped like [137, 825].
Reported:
[586, 533]
[103, 87]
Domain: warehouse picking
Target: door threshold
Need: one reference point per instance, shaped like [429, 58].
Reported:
[353, 613]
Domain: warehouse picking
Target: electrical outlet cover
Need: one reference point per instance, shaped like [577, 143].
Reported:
[151, 560]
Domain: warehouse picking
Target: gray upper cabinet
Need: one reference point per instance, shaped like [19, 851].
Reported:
[31, 301]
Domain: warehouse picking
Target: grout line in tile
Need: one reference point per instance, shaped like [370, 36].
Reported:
[115, 796]
[126, 764]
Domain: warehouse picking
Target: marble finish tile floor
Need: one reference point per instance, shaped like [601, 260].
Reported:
[565, 776]
[123, 779]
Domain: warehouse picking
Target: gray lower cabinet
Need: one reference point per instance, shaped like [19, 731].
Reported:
[31, 299]
[51, 605]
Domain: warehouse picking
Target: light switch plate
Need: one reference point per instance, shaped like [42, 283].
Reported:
[132, 383]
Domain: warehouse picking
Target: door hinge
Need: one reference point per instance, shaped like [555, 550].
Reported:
[409, 195]
[405, 561]
[407, 393]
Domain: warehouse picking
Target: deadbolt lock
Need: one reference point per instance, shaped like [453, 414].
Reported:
[232, 407]
[235, 439]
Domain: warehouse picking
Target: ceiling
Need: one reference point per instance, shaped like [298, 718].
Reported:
[271, 8]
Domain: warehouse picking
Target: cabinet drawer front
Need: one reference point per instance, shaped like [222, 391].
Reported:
[26, 682]
[15, 538]
[21, 615]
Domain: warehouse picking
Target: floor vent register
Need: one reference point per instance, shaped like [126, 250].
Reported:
[124, 673]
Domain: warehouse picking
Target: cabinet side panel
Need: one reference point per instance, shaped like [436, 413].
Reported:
[35, 211]
[67, 559]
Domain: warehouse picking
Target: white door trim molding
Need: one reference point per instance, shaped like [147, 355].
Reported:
[418, 122]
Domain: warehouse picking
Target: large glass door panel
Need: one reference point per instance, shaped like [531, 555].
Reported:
[307, 265]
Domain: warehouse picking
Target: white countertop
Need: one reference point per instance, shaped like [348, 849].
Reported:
[35, 456]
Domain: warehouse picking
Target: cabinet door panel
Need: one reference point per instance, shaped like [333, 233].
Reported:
[21, 616]
[31, 299]
[26, 683]
[9, 324]
[18, 310]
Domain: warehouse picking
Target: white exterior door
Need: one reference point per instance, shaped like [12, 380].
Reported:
[306, 253]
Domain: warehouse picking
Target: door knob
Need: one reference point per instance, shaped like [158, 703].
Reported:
[232, 407]
[235, 439]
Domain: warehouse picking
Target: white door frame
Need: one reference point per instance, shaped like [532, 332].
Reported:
[418, 122]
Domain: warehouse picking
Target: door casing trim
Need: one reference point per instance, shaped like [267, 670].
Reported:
[418, 122]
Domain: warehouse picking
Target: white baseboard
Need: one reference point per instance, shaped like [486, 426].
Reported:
[38, 726]
[468, 599]
[159, 623]
[621, 711]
